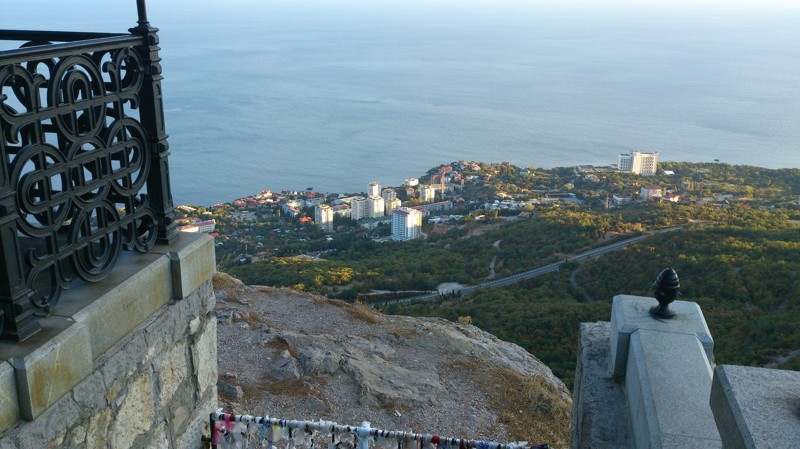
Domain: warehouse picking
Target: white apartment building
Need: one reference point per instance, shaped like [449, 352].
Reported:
[323, 216]
[411, 182]
[648, 192]
[427, 193]
[392, 204]
[406, 224]
[388, 194]
[358, 208]
[375, 207]
[374, 189]
[637, 162]
[207, 226]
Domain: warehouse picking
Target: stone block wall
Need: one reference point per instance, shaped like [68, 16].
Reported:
[129, 362]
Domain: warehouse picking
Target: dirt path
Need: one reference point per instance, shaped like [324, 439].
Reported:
[783, 359]
[574, 283]
[492, 274]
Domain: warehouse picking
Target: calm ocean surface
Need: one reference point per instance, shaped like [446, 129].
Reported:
[274, 95]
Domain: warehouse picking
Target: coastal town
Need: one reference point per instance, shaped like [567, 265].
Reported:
[257, 227]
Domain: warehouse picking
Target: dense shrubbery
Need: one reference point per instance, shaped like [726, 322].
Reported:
[446, 257]
[746, 279]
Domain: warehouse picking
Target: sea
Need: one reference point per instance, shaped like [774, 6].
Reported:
[331, 95]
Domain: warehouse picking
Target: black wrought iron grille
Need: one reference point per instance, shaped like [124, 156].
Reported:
[84, 170]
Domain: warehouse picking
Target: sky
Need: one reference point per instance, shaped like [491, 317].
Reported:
[104, 9]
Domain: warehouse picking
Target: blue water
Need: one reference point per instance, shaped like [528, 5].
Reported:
[273, 95]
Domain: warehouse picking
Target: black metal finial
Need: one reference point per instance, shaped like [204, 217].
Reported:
[142, 10]
[666, 289]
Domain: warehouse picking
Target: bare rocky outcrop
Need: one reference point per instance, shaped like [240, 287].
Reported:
[301, 356]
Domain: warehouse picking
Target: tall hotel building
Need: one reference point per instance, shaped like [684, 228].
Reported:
[391, 204]
[388, 194]
[375, 207]
[427, 193]
[644, 164]
[323, 215]
[358, 208]
[374, 189]
[406, 224]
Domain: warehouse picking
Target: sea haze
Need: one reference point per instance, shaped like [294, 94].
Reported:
[274, 95]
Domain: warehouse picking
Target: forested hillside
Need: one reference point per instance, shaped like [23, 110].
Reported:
[745, 276]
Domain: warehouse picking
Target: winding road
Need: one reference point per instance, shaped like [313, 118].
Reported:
[536, 272]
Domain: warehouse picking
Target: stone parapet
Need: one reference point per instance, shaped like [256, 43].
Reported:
[667, 373]
[599, 412]
[121, 363]
[192, 263]
[643, 381]
[756, 407]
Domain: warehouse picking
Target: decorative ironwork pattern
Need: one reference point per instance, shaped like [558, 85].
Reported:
[84, 171]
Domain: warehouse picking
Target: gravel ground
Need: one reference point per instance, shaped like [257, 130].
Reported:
[293, 355]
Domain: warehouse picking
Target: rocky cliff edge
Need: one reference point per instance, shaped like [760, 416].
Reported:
[294, 355]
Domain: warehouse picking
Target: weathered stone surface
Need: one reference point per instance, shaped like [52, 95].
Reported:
[756, 407]
[193, 262]
[319, 361]
[77, 436]
[50, 426]
[52, 370]
[389, 383]
[233, 392]
[117, 366]
[173, 371]
[91, 392]
[182, 407]
[208, 300]
[136, 413]
[315, 405]
[284, 368]
[97, 433]
[160, 439]
[189, 437]
[599, 413]
[9, 405]
[115, 313]
[204, 356]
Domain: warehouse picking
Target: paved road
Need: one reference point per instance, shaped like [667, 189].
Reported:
[530, 274]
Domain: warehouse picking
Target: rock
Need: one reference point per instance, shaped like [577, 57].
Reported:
[315, 405]
[284, 368]
[387, 383]
[316, 361]
[230, 391]
[422, 373]
[221, 295]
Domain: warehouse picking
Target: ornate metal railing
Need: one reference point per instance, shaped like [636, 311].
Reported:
[84, 171]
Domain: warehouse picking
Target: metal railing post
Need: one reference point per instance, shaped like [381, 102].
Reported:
[151, 111]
